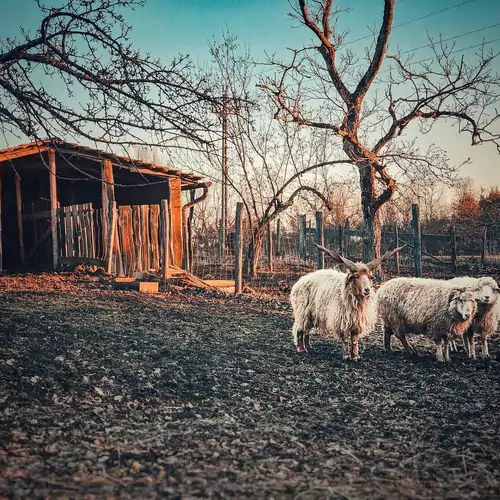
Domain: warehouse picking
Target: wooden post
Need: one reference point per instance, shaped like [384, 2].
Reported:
[396, 237]
[417, 241]
[320, 240]
[302, 237]
[347, 235]
[341, 240]
[238, 265]
[107, 195]
[454, 253]
[111, 234]
[270, 247]
[165, 232]
[278, 237]
[483, 246]
[19, 206]
[1, 236]
[176, 226]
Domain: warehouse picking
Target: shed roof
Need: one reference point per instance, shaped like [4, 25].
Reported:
[94, 154]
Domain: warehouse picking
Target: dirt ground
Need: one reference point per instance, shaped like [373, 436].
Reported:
[119, 394]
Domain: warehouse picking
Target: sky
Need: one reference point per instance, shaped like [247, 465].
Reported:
[168, 27]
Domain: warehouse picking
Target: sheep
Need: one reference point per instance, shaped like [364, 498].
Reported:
[336, 303]
[433, 307]
[487, 314]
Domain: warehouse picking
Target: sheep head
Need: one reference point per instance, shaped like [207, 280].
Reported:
[462, 301]
[360, 275]
[487, 291]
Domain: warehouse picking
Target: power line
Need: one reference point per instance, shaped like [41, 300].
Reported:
[406, 23]
[441, 41]
[452, 52]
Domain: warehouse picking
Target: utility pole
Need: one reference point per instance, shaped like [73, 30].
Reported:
[225, 172]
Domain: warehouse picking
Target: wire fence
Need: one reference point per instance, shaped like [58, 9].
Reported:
[450, 252]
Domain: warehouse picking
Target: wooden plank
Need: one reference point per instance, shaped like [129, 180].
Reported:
[93, 243]
[396, 244]
[417, 240]
[1, 234]
[68, 234]
[154, 235]
[320, 240]
[146, 250]
[126, 239]
[278, 237]
[148, 286]
[484, 244]
[111, 234]
[76, 232]
[20, 153]
[238, 267]
[53, 207]
[19, 208]
[136, 224]
[107, 196]
[176, 226]
[165, 223]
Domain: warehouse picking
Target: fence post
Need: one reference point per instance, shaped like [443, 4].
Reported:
[111, 234]
[483, 246]
[454, 254]
[238, 264]
[320, 240]
[347, 233]
[278, 237]
[341, 240]
[417, 240]
[302, 237]
[270, 247]
[165, 233]
[396, 237]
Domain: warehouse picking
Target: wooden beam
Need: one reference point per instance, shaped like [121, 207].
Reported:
[21, 153]
[107, 196]
[111, 234]
[1, 236]
[238, 263]
[417, 240]
[176, 227]
[165, 232]
[19, 207]
[53, 207]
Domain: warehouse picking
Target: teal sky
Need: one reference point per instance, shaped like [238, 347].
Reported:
[167, 27]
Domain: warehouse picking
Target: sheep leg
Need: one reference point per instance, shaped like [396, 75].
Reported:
[484, 345]
[354, 346]
[439, 350]
[447, 350]
[387, 338]
[307, 341]
[345, 347]
[298, 337]
[472, 345]
[404, 341]
[453, 346]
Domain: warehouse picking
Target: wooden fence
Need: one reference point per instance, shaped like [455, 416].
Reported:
[135, 233]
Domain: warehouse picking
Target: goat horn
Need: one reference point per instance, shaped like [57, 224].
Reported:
[387, 255]
[338, 258]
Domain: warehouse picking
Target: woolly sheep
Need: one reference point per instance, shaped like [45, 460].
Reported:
[336, 303]
[487, 314]
[436, 308]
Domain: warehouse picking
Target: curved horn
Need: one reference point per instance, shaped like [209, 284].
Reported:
[338, 258]
[387, 255]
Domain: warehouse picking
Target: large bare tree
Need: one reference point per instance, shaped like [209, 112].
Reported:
[78, 75]
[326, 90]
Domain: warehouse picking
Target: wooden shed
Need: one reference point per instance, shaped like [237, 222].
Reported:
[64, 203]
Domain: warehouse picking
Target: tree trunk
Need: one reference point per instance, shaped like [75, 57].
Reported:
[254, 251]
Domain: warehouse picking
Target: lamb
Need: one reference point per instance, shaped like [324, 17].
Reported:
[336, 303]
[436, 308]
[487, 314]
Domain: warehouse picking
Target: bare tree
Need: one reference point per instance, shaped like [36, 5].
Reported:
[79, 75]
[371, 132]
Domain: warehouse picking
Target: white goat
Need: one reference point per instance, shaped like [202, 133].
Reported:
[336, 303]
[436, 308]
[487, 314]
